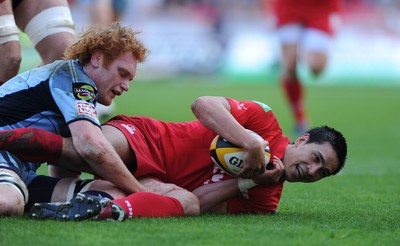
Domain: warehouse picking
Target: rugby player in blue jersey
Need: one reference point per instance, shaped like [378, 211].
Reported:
[61, 98]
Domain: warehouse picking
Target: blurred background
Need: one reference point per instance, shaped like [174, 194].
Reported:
[235, 40]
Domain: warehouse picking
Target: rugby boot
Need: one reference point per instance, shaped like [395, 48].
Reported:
[110, 211]
[81, 207]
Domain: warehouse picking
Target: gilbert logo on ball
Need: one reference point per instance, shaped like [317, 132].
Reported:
[229, 157]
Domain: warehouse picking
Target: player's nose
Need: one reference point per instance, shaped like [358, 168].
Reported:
[125, 85]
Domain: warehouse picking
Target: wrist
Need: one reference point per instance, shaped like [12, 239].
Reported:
[245, 184]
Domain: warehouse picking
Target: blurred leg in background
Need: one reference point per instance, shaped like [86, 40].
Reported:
[304, 32]
[32, 17]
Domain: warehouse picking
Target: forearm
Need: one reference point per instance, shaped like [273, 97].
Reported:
[101, 156]
[212, 196]
[106, 163]
[214, 113]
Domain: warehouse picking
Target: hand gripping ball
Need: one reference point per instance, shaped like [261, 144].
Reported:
[229, 157]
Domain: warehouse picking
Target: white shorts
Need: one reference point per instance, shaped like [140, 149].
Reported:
[309, 39]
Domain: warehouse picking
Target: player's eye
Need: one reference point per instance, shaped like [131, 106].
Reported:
[123, 74]
[316, 158]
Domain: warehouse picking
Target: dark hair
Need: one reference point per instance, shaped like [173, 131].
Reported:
[328, 134]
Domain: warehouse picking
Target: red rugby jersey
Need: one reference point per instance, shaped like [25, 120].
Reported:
[179, 153]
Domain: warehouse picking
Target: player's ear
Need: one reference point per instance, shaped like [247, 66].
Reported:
[97, 57]
[302, 139]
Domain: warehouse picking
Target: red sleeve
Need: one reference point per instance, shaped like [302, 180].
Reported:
[260, 199]
[259, 117]
[256, 116]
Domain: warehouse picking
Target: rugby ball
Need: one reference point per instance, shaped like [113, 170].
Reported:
[229, 157]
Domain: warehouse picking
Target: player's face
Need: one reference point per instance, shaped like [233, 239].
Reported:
[114, 80]
[309, 162]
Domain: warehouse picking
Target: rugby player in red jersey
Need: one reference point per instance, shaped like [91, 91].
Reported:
[305, 29]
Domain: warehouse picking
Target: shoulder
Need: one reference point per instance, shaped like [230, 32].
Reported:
[67, 65]
[70, 71]
[250, 105]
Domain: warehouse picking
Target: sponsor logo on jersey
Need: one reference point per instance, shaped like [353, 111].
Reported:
[84, 92]
[241, 106]
[85, 108]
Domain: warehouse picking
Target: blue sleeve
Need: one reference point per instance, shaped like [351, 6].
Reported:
[74, 93]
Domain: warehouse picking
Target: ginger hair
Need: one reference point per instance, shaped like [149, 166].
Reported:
[112, 39]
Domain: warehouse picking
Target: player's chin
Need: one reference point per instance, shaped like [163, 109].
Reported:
[106, 101]
[287, 176]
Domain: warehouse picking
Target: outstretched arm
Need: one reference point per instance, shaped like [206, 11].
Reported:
[213, 197]
[94, 148]
[88, 151]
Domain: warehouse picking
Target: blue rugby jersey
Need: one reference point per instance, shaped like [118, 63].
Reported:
[49, 97]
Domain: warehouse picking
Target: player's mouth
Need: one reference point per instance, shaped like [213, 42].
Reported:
[116, 93]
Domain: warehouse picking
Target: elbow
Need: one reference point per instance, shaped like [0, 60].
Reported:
[204, 105]
[198, 104]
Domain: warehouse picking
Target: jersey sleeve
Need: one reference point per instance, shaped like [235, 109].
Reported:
[259, 117]
[254, 115]
[74, 93]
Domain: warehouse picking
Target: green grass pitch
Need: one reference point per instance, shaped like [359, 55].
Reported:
[359, 206]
